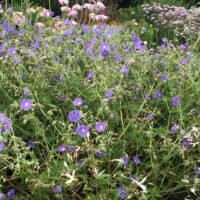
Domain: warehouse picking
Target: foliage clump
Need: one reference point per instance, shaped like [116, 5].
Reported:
[89, 111]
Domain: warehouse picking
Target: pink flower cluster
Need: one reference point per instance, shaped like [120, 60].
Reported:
[94, 10]
[192, 24]
[165, 16]
[19, 18]
[63, 2]
[45, 13]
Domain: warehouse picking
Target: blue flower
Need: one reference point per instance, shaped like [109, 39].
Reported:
[57, 189]
[10, 10]
[183, 46]
[184, 62]
[100, 126]
[12, 51]
[26, 91]
[59, 77]
[67, 33]
[5, 24]
[5, 124]
[2, 196]
[104, 46]
[164, 77]
[133, 178]
[138, 43]
[164, 40]
[31, 144]
[174, 128]
[85, 28]
[136, 160]
[112, 47]
[162, 47]
[125, 70]
[88, 51]
[149, 116]
[104, 54]
[123, 192]
[90, 74]
[125, 160]
[62, 148]
[185, 143]
[11, 193]
[71, 148]
[78, 101]
[17, 60]
[74, 115]
[117, 57]
[157, 94]
[147, 96]
[26, 104]
[82, 130]
[100, 153]
[176, 101]
[108, 94]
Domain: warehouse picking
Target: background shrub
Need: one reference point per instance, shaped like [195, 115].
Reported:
[127, 3]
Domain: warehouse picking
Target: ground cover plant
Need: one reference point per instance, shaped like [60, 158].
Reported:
[89, 111]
